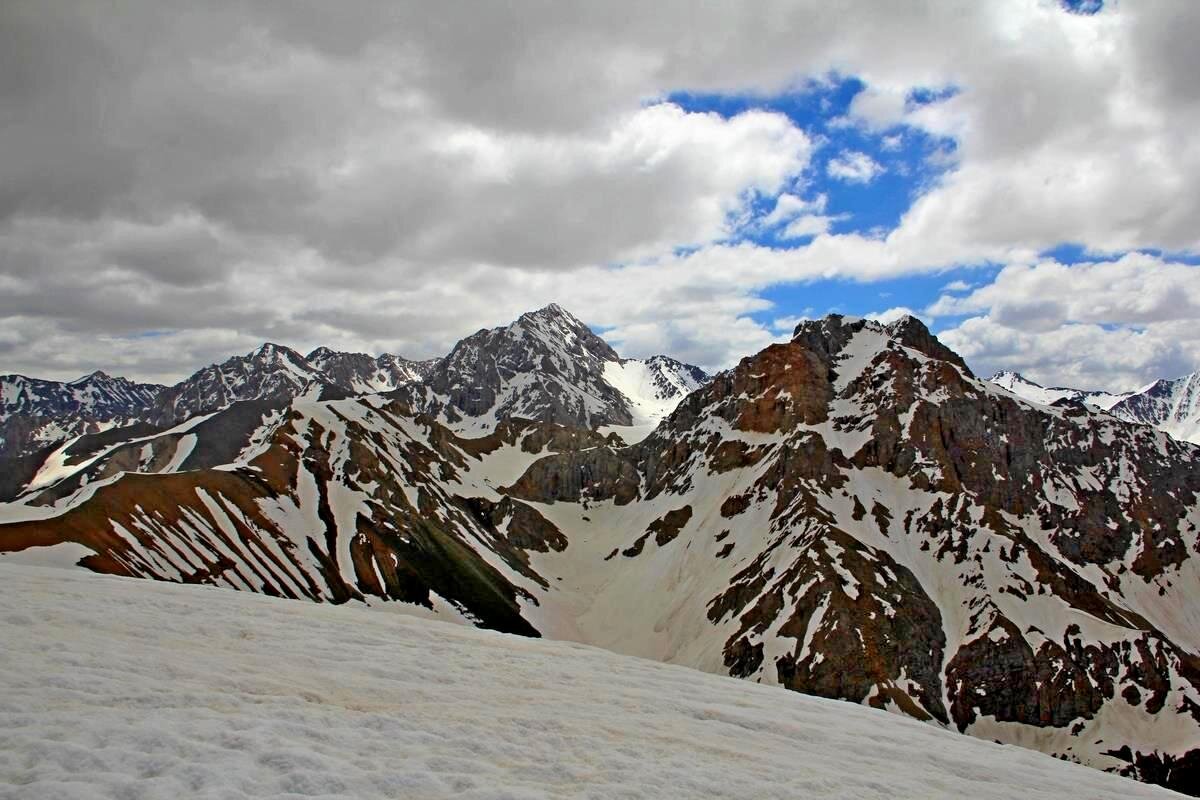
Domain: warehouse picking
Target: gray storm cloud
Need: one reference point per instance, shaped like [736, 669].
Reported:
[180, 181]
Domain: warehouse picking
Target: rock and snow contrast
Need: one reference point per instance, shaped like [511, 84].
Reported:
[363, 374]
[1169, 405]
[851, 514]
[125, 688]
[1019, 385]
[546, 366]
[35, 414]
[550, 367]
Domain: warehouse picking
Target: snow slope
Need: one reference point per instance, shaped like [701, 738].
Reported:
[117, 688]
[653, 388]
[1026, 389]
[851, 515]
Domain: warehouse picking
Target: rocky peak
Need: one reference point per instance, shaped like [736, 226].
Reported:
[559, 328]
[35, 413]
[546, 365]
[323, 352]
[361, 373]
[272, 373]
[826, 337]
[900, 533]
[912, 333]
[269, 352]
[671, 366]
[1170, 405]
[98, 376]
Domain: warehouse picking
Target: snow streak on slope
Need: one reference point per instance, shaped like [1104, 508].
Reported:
[114, 688]
[854, 515]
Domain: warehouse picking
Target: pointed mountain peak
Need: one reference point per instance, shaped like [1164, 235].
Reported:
[98, 376]
[552, 310]
[320, 352]
[269, 351]
[553, 314]
[913, 333]
[560, 329]
[1009, 377]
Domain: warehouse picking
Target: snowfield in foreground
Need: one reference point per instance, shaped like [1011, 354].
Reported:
[123, 688]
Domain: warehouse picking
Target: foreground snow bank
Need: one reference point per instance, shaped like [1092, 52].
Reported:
[122, 688]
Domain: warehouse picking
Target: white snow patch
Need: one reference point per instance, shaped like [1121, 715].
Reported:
[196, 691]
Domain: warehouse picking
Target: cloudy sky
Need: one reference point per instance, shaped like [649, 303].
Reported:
[181, 181]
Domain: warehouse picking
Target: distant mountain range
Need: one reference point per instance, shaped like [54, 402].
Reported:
[547, 365]
[1172, 406]
[851, 514]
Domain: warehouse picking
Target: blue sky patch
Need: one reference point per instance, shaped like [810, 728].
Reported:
[871, 207]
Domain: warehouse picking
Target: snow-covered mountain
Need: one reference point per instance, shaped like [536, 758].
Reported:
[1019, 385]
[35, 413]
[272, 372]
[97, 395]
[549, 366]
[258, 697]
[546, 365]
[1169, 405]
[851, 514]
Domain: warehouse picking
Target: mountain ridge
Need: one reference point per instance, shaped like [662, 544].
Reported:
[850, 514]
[264, 381]
[1171, 405]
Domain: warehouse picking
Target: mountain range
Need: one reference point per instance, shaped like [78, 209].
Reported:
[851, 514]
[546, 366]
[1169, 405]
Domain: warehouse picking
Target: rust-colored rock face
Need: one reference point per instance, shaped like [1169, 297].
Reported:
[783, 386]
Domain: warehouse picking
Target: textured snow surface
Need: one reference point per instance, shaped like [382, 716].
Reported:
[119, 688]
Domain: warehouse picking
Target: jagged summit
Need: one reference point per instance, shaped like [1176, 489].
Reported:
[563, 330]
[95, 376]
[1034, 392]
[268, 351]
[834, 332]
[545, 365]
[325, 352]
